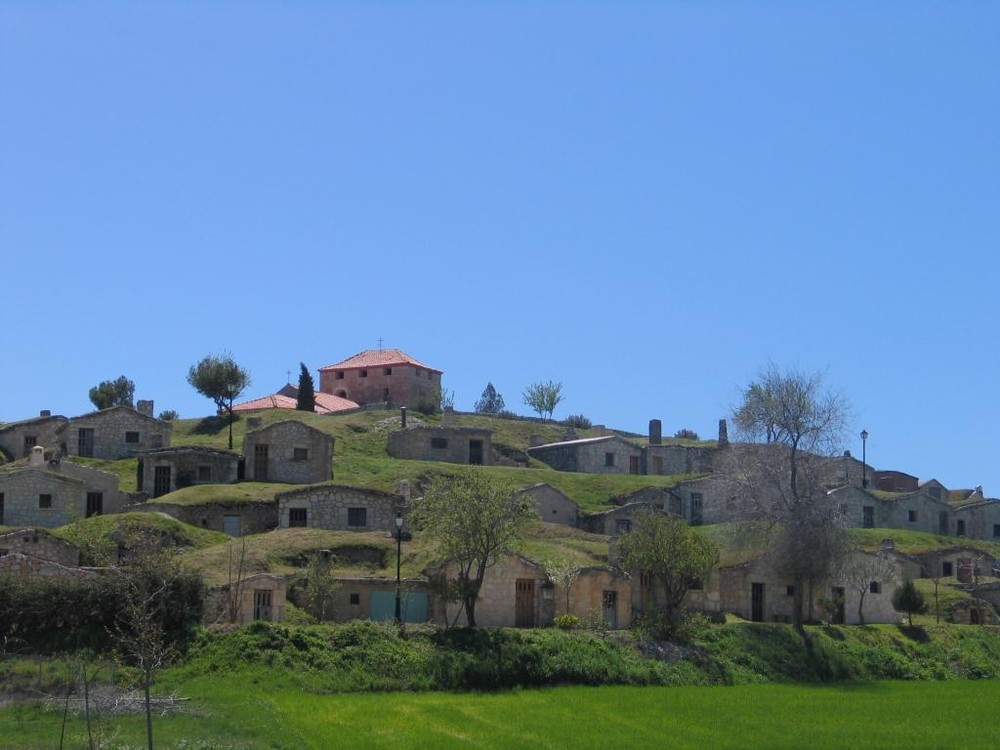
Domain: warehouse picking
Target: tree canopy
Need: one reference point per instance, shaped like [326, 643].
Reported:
[490, 402]
[674, 554]
[305, 399]
[108, 393]
[221, 379]
[790, 423]
[543, 398]
[476, 519]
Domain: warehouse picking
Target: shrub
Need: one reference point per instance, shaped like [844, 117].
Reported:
[578, 421]
[686, 434]
[168, 415]
[567, 621]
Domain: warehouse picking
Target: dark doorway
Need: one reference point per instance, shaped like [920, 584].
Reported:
[837, 596]
[633, 464]
[260, 463]
[757, 602]
[609, 604]
[524, 603]
[476, 452]
[161, 481]
[95, 504]
[85, 442]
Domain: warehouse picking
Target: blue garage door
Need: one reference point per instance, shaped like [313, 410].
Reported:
[412, 606]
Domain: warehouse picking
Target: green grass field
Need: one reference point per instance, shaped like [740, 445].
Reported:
[254, 715]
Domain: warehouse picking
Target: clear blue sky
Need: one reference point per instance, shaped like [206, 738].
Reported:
[645, 201]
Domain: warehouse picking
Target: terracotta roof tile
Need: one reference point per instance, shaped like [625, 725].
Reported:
[378, 358]
[325, 403]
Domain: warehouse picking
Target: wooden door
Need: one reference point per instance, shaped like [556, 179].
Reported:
[757, 602]
[262, 605]
[85, 442]
[260, 463]
[476, 452]
[161, 481]
[524, 603]
[609, 604]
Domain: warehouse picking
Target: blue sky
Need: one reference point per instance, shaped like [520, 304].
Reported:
[648, 202]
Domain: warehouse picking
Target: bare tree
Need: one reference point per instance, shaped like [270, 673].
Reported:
[320, 585]
[789, 422]
[861, 571]
[563, 573]
[476, 519]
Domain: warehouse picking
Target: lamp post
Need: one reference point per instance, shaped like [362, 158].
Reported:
[399, 551]
[864, 457]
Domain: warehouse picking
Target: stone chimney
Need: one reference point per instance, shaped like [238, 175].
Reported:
[448, 417]
[655, 432]
[144, 406]
[723, 433]
[45, 413]
[402, 416]
[37, 457]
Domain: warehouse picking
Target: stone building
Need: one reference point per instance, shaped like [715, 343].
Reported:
[40, 544]
[287, 451]
[610, 454]
[894, 481]
[599, 593]
[917, 511]
[236, 518]
[552, 505]
[455, 445]
[260, 596]
[18, 438]
[707, 500]
[118, 432]
[369, 598]
[979, 519]
[50, 492]
[164, 470]
[616, 521]
[27, 566]
[388, 376]
[337, 507]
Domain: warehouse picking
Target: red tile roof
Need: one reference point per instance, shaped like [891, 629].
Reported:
[325, 403]
[378, 358]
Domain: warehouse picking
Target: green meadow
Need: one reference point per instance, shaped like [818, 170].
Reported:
[226, 714]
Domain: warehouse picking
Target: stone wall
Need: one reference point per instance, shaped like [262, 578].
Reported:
[40, 544]
[248, 516]
[599, 594]
[677, 459]
[456, 445]
[295, 453]
[118, 432]
[55, 493]
[979, 520]
[189, 465]
[496, 606]
[615, 521]
[605, 455]
[552, 505]
[331, 506]
[17, 439]
[26, 566]
[400, 385]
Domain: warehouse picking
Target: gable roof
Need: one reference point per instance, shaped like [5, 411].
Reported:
[584, 441]
[378, 358]
[121, 407]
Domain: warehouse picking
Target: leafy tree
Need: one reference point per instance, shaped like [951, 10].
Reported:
[221, 379]
[861, 570]
[305, 400]
[321, 585]
[490, 402]
[908, 598]
[108, 393]
[671, 552]
[790, 423]
[686, 434]
[543, 398]
[168, 415]
[476, 519]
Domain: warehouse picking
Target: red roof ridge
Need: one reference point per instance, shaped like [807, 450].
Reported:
[378, 358]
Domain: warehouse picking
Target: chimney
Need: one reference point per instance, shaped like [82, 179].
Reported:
[402, 416]
[45, 413]
[144, 406]
[655, 432]
[37, 456]
[723, 433]
[448, 417]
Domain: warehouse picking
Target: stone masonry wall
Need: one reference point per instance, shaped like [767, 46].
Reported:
[112, 428]
[327, 507]
[282, 439]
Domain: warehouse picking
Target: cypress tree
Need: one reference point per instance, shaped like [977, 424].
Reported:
[306, 399]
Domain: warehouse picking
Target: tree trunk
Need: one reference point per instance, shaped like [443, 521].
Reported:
[149, 711]
[861, 604]
[470, 610]
[797, 582]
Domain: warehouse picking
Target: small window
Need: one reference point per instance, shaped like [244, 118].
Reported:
[947, 568]
[911, 516]
[297, 517]
[363, 374]
[789, 590]
[204, 473]
[132, 437]
[935, 492]
[338, 375]
[623, 526]
[996, 529]
[960, 528]
[356, 599]
[875, 587]
[45, 501]
[609, 459]
[300, 454]
[439, 443]
[357, 518]
[387, 371]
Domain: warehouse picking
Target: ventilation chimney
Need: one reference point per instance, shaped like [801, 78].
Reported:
[402, 416]
[144, 406]
[448, 417]
[655, 432]
[723, 433]
[37, 457]
[45, 413]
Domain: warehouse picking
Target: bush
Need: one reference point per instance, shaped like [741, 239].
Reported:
[567, 621]
[578, 421]
[169, 415]
[686, 434]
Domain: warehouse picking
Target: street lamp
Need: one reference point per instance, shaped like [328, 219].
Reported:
[399, 551]
[864, 457]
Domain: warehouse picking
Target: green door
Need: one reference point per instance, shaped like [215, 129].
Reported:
[412, 606]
